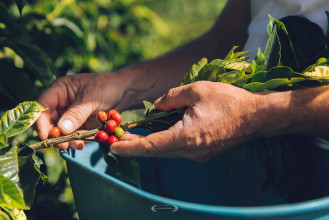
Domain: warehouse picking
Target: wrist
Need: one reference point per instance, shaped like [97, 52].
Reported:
[298, 112]
[276, 115]
[137, 82]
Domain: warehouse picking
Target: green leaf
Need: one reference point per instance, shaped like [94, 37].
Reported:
[275, 73]
[272, 84]
[20, 118]
[16, 81]
[240, 66]
[13, 213]
[159, 114]
[232, 55]
[147, 104]
[10, 195]
[194, 71]
[3, 141]
[37, 164]
[305, 40]
[35, 60]
[126, 168]
[19, 214]
[149, 107]
[289, 57]
[17, 164]
[320, 73]
[20, 5]
[237, 78]
[209, 72]
[272, 50]
[258, 62]
[3, 215]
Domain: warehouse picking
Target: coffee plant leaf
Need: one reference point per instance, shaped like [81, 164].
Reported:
[3, 141]
[272, 52]
[272, 84]
[36, 61]
[20, 5]
[320, 73]
[4, 215]
[194, 71]
[258, 62]
[20, 118]
[275, 73]
[10, 195]
[126, 168]
[17, 164]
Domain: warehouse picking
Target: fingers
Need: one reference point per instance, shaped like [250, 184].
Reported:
[74, 117]
[78, 145]
[155, 144]
[49, 100]
[43, 125]
[176, 98]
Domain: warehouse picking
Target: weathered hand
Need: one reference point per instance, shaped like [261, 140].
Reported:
[217, 117]
[72, 101]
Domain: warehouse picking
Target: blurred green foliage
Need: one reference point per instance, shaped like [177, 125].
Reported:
[54, 38]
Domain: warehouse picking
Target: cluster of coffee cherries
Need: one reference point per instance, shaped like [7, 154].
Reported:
[111, 130]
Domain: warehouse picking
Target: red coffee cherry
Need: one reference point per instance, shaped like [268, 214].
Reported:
[55, 132]
[101, 137]
[110, 126]
[116, 117]
[112, 139]
[119, 132]
[109, 113]
[101, 116]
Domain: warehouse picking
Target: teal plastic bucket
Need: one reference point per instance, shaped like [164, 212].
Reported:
[184, 189]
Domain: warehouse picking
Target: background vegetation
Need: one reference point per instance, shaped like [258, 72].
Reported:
[54, 38]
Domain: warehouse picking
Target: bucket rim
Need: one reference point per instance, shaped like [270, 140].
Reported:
[300, 208]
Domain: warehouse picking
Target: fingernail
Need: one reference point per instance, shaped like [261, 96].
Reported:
[114, 152]
[158, 99]
[67, 125]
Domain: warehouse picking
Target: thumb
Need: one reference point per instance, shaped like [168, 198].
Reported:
[75, 117]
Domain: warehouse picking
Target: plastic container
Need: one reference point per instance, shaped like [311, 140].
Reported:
[189, 190]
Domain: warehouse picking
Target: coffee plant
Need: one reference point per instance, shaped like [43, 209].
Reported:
[33, 61]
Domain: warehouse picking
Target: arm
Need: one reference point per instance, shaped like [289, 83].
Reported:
[219, 116]
[301, 112]
[151, 79]
[72, 101]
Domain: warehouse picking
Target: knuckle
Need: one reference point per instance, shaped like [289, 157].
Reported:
[172, 92]
[192, 140]
[77, 113]
[198, 89]
[148, 149]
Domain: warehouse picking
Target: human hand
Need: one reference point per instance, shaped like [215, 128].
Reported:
[72, 101]
[218, 116]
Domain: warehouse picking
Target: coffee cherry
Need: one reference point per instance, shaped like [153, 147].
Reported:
[109, 113]
[112, 139]
[101, 116]
[110, 126]
[119, 132]
[101, 137]
[55, 132]
[116, 117]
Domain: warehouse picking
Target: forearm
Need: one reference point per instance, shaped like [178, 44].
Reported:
[300, 112]
[151, 79]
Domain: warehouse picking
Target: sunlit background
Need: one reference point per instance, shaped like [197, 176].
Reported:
[63, 37]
